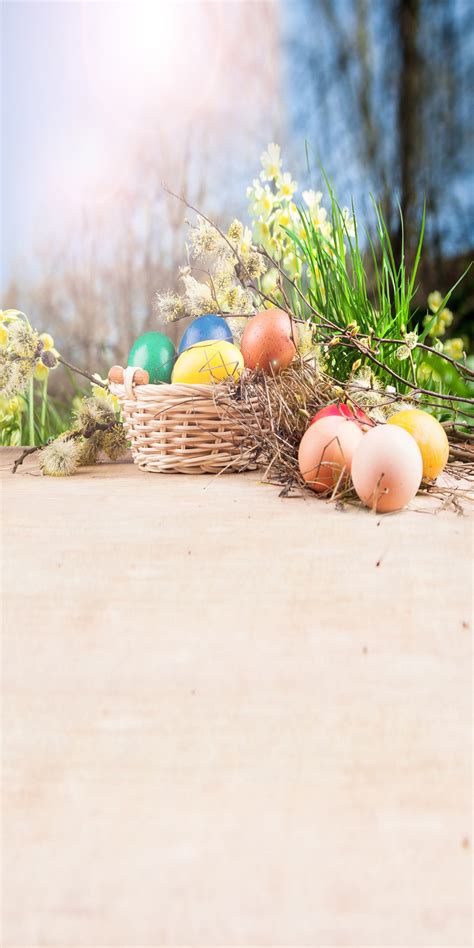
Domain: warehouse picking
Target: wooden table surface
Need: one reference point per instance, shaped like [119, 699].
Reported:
[231, 718]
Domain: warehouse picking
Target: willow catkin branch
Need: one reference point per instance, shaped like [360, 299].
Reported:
[86, 375]
[73, 436]
[249, 283]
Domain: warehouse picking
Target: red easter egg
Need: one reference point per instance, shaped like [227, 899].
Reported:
[268, 341]
[345, 411]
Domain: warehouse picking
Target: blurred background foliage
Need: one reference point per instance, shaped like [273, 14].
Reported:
[102, 103]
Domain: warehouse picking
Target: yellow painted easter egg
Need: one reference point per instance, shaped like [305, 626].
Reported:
[430, 437]
[208, 362]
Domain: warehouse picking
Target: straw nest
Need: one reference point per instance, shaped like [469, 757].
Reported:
[282, 407]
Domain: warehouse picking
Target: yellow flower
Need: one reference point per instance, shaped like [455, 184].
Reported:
[245, 245]
[325, 230]
[269, 281]
[41, 372]
[286, 186]
[263, 202]
[3, 337]
[8, 315]
[104, 394]
[254, 191]
[454, 348]
[271, 162]
[444, 319]
[349, 222]
[282, 218]
[315, 277]
[9, 407]
[47, 340]
[312, 198]
[275, 247]
[291, 264]
[426, 372]
[319, 216]
[434, 301]
[261, 232]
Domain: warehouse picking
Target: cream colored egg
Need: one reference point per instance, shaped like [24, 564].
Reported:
[387, 468]
[208, 362]
[326, 451]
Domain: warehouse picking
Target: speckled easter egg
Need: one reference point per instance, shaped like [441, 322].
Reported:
[429, 435]
[155, 353]
[269, 341]
[203, 329]
[208, 362]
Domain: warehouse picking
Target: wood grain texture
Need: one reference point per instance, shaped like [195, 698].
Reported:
[231, 719]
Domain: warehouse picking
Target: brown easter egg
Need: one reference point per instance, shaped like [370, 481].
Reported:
[268, 341]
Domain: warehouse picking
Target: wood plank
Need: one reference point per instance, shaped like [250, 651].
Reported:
[231, 718]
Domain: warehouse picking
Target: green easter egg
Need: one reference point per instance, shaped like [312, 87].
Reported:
[156, 353]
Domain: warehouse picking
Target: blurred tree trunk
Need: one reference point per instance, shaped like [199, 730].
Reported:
[410, 128]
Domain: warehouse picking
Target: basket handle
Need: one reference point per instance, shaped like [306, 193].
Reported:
[128, 376]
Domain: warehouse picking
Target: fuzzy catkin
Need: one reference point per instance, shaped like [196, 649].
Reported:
[115, 442]
[60, 458]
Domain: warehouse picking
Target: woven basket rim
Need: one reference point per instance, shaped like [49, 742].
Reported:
[174, 388]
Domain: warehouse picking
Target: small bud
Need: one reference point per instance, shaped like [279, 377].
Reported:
[49, 359]
[352, 329]
[411, 340]
[402, 353]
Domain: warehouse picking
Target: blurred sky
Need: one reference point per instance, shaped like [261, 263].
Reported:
[84, 83]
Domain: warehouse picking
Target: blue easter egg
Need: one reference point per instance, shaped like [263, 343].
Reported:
[203, 329]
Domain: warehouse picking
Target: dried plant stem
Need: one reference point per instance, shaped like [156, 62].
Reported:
[452, 399]
[460, 366]
[31, 411]
[24, 454]
[86, 375]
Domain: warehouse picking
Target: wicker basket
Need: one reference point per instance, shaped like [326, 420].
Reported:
[186, 429]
